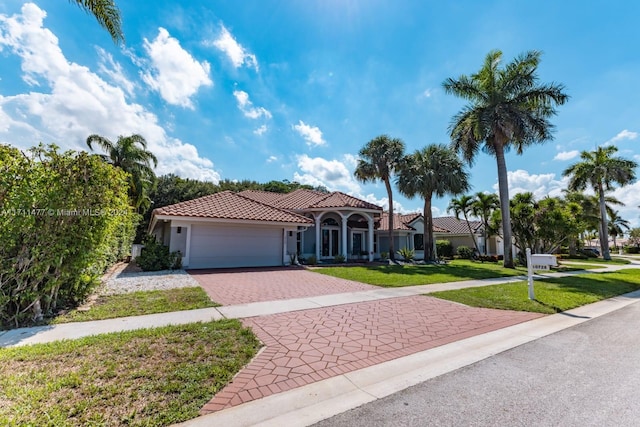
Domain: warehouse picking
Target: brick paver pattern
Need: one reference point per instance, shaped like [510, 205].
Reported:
[311, 345]
[243, 286]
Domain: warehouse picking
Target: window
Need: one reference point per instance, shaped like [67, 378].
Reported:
[418, 242]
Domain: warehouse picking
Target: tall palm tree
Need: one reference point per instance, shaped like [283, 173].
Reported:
[464, 205]
[107, 14]
[508, 108]
[483, 206]
[379, 160]
[601, 170]
[130, 154]
[434, 170]
[616, 225]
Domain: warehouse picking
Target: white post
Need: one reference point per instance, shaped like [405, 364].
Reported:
[370, 237]
[530, 274]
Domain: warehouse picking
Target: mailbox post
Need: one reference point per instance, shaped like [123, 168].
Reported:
[530, 274]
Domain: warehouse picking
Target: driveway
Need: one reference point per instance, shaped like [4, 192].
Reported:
[303, 347]
[243, 286]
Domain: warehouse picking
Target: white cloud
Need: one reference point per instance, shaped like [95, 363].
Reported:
[311, 134]
[261, 130]
[238, 55]
[351, 160]
[625, 134]
[630, 196]
[75, 102]
[383, 202]
[332, 174]
[427, 93]
[113, 70]
[566, 155]
[520, 181]
[247, 107]
[272, 159]
[175, 74]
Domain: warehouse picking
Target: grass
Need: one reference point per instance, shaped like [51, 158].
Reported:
[392, 276]
[553, 295]
[140, 303]
[613, 260]
[150, 377]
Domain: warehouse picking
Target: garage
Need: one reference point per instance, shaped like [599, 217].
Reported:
[232, 245]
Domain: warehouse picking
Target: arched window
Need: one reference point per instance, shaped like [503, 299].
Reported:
[330, 221]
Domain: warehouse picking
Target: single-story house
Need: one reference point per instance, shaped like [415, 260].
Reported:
[409, 233]
[260, 228]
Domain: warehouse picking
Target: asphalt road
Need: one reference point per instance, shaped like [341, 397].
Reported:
[588, 375]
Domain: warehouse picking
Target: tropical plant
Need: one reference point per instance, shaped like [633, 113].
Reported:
[107, 14]
[434, 170]
[601, 170]
[508, 108]
[616, 225]
[130, 154]
[444, 249]
[464, 252]
[464, 205]
[483, 207]
[156, 256]
[407, 254]
[379, 160]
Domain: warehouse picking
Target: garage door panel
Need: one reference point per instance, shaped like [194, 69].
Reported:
[232, 246]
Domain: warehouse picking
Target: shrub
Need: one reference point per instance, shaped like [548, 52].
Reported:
[632, 249]
[407, 254]
[384, 255]
[488, 258]
[156, 257]
[64, 217]
[339, 259]
[444, 248]
[311, 260]
[465, 252]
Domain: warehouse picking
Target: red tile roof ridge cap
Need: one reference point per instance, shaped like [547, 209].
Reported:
[271, 206]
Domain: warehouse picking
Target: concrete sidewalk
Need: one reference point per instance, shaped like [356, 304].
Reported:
[44, 334]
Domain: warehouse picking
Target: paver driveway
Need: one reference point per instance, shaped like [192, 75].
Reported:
[242, 286]
[310, 345]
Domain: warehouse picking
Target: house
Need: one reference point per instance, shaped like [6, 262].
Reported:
[260, 228]
[409, 233]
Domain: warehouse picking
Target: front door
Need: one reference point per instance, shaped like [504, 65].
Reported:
[357, 244]
[330, 242]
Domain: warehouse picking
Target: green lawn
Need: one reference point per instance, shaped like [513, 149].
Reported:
[613, 260]
[552, 295]
[150, 377]
[392, 276]
[139, 303]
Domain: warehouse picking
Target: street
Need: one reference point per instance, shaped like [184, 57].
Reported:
[588, 375]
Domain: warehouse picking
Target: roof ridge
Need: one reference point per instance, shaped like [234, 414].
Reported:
[270, 206]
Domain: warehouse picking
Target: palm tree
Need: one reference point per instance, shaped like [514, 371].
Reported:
[482, 207]
[434, 170]
[379, 160]
[508, 109]
[130, 154]
[464, 205]
[600, 170]
[616, 225]
[107, 14]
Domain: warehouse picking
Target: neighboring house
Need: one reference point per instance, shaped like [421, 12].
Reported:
[409, 233]
[260, 228]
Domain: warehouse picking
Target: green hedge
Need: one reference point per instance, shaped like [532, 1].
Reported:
[64, 217]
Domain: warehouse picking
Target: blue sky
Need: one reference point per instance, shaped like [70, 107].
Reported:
[279, 89]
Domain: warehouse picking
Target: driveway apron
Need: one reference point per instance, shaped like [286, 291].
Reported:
[306, 346]
[243, 286]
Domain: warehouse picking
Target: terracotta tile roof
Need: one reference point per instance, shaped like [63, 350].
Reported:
[299, 199]
[401, 222]
[455, 226]
[266, 197]
[230, 205]
[338, 199]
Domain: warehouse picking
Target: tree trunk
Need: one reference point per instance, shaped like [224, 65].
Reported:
[604, 227]
[392, 251]
[503, 187]
[428, 231]
[473, 236]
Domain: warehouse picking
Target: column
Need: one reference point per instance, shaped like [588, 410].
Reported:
[318, 241]
[345, 251]
[285, 255]
[370, 237]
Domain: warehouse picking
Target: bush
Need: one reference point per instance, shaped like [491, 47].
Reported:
[488, 258]
[407, 254]
[465, 252]
[632, 249]
[311, 260]
[156, 257]
[339, 259]
[444, 248]
[64, 218]
[384, 255]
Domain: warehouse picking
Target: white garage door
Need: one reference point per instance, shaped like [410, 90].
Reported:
[215, 246]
